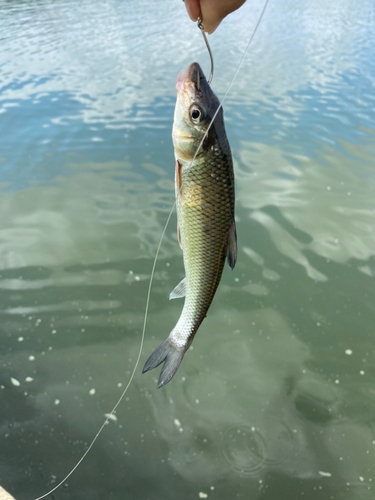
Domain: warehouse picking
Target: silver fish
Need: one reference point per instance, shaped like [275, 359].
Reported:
[205, 212]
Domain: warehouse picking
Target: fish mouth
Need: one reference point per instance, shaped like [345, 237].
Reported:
[192, 76]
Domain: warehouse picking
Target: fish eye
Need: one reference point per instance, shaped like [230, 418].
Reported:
[197, 114]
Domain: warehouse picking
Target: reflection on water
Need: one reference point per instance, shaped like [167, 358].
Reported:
[275, 399]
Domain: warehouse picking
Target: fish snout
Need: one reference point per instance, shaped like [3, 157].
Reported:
[191, 78]
[180, 80]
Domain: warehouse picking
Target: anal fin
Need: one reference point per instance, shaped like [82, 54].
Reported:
[179, 291]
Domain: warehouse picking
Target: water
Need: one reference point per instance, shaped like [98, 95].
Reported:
[276, 400]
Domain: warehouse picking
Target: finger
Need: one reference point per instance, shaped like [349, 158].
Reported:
[194, 9]
[214, 11]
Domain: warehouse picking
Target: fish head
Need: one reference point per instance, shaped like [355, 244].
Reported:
[195, 107]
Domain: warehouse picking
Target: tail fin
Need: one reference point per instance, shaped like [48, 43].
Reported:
[170, 355]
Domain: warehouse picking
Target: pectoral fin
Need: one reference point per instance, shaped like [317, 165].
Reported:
[232, 246]
[178, 193]
[179, 291]
[178, 178]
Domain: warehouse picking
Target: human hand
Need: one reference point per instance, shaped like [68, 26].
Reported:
[211, 12]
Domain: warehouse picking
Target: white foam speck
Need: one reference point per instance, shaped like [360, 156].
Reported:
[337, 381]
[137, 278]
[31, 358]
[15, 382]
[177, 423]
[20, 339]
[57, 402]
[92, 392]
[111, 416]
[325, 474]
[29, 379]
[97, 139]
[361, 478]
[202, 495]
[361, 372]
[349, 352]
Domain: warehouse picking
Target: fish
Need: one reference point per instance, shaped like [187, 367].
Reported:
[205, 202]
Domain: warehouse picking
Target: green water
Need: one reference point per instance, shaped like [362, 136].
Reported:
[276, 400]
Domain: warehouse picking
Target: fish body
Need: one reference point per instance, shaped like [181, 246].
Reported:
[205, 211]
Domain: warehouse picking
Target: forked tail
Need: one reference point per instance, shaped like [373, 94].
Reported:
[168, 353]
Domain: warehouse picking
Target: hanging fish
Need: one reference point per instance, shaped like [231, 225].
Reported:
[204, 184]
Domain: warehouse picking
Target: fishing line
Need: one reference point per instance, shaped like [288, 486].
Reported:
[110, 415]
[133, 372]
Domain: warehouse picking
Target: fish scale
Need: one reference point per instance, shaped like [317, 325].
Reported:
[205, 212]
[204, 233]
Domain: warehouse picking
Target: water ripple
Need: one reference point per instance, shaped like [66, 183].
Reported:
[249, 449]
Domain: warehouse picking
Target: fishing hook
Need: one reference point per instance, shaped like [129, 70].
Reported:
[201, 27]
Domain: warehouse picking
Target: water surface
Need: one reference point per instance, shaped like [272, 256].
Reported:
[276, 400]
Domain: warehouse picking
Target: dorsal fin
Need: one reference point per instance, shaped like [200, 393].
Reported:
[232, 246]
